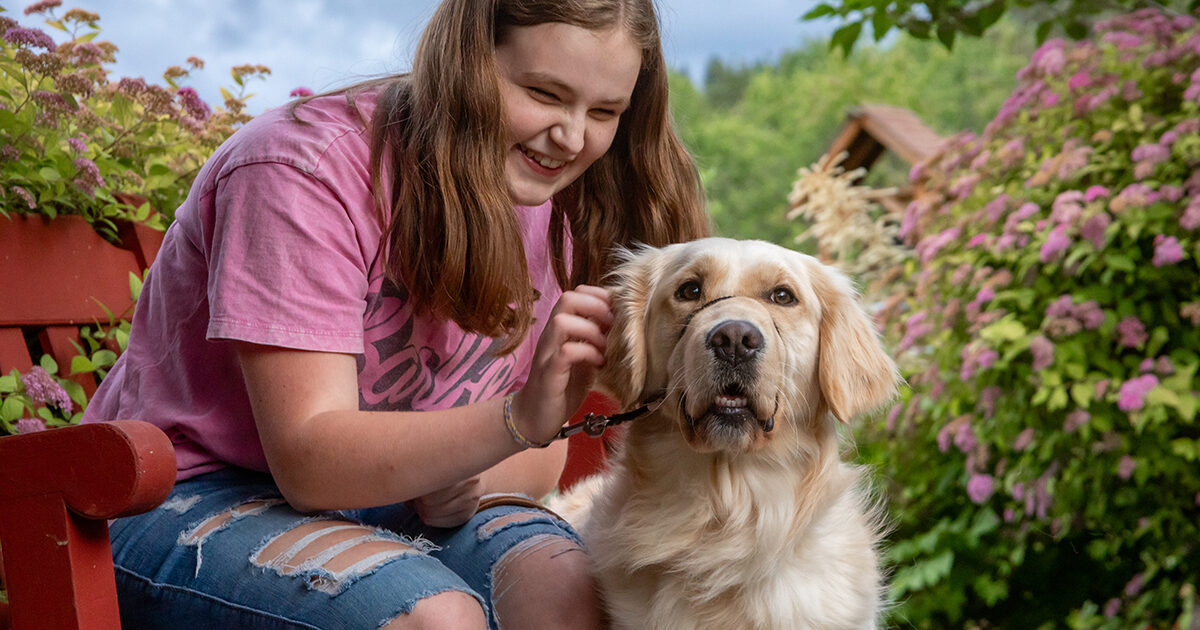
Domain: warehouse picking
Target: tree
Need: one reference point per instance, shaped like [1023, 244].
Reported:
[946, 19]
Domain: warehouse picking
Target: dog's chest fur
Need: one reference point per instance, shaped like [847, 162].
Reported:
[721, 547]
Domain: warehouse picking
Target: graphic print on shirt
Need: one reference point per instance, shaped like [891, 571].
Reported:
[419, 363]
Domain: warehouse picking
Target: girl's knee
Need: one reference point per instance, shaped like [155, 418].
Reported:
[545, 578]
[451, 610]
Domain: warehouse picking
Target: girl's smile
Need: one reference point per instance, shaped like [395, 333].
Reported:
[564, 89]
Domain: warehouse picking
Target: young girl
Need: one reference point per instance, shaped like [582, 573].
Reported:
[359, 323]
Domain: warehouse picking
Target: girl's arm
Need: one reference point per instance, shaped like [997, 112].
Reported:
[327, 454]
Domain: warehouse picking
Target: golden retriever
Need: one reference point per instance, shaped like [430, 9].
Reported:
[729, 506]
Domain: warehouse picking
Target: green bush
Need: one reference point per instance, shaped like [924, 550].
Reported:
[1043, 471]
[72, 141]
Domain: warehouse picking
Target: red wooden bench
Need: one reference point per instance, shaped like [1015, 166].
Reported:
[58, 488]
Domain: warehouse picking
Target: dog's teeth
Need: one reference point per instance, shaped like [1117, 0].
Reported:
[731, 401]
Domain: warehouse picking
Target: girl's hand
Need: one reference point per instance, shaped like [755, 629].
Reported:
[568, 352]
[450, 507]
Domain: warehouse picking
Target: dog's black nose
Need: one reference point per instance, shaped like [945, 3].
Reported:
[735, 341]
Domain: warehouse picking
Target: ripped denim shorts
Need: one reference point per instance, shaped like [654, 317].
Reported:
[225, 551]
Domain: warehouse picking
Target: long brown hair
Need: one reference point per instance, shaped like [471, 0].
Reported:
[451, 236]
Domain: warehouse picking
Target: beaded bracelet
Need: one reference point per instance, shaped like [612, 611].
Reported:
[512, 427]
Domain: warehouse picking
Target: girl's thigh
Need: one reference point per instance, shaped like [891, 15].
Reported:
[225, 550]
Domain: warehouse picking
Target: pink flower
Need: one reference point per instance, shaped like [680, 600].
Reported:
[1024, 439]
[30, 425]
[1067, 207]
[1190, 312]
[89, 178]
[1190, 219]
[964, 438]
[1167, 251]
[929, 247]
[1112, 607]
[24, 195]
[193, 104]
[300, 92]
[1135, 585]
[1089, 314]
[1132, 332]
[1133, 392]
[29, 37]
[1079, 80]
[41, 387]
[1060, 307]
[1076, 419]
[980, 488]
[1122, 40]
[1094, 192]
[1055, 244]
[1043, 353]
[42, 6]
[1152, 153]
[988, 398]
[1125, 467]
[1102, 387]
[1094, 229]
[1163, 366]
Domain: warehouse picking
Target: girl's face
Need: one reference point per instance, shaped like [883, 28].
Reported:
[564, 88]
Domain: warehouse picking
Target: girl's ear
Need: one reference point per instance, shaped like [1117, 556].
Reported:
[855, 373]
[623, 375]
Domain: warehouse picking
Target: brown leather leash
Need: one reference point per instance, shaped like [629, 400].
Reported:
[595, 424]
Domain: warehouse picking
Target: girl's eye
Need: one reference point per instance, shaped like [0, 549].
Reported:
[543, 94]
[782, 296]
[688, 291]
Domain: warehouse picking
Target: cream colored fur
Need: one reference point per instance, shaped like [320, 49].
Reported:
[716, 522]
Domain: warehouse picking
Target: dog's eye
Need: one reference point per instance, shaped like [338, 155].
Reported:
[782, 296]
[688, 291]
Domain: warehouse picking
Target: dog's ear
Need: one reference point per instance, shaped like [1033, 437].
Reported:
[625, 362]
[855, 373]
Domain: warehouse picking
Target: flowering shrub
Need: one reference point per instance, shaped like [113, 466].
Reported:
[74, 141]
[1044, 469]
[37, 399]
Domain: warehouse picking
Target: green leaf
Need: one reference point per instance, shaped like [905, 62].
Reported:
[1007, 329]
[1076, 30]
[104, 358]
[12, 409]
[49, 173]
[946, 34]
[880, 24]
[49, 364]
[819, 11]
[75, 392]
[845, 37]
[8, 384]
[135, 286]
[80, 364]
[990, 14]
[1043, 31]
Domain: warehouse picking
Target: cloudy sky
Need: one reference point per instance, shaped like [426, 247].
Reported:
[321, 44]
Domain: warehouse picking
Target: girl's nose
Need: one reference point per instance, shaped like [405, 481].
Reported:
[568, 133]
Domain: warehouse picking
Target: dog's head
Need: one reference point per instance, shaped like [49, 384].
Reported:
[747, 340]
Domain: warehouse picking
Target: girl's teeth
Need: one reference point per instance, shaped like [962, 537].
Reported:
[544, 161]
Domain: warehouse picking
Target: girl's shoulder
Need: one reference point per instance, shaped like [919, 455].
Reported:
[303, 134]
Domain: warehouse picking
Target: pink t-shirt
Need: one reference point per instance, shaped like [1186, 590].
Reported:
[278, 244]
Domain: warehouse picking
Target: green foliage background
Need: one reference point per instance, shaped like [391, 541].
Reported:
[751, 127]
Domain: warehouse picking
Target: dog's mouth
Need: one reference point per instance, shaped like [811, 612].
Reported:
[731, 409]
